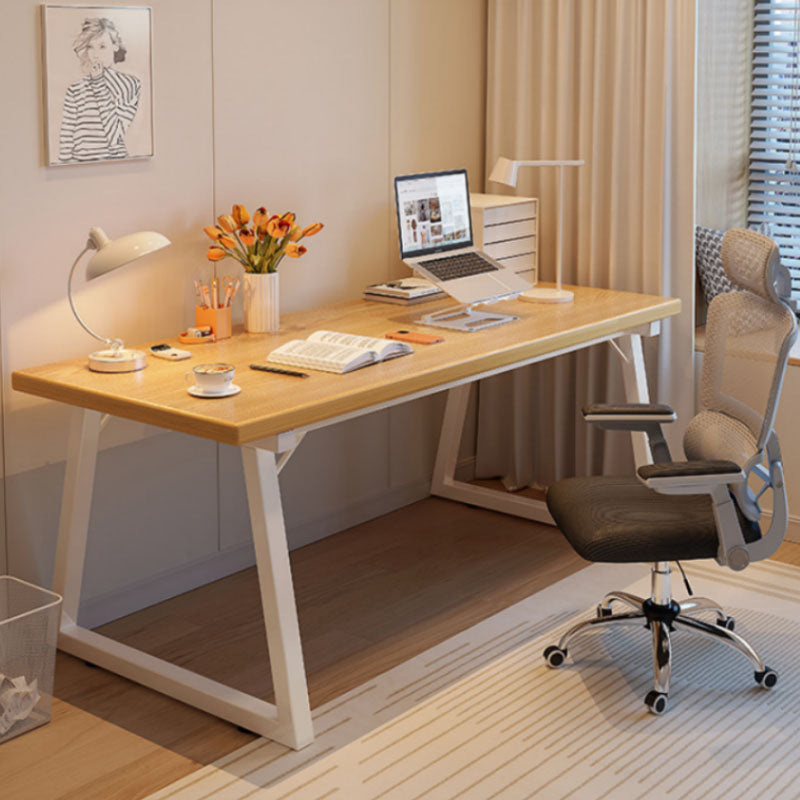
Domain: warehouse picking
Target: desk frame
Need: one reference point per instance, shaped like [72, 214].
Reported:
[445, 484]
[288, 720]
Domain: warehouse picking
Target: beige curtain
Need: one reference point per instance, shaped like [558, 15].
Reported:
[610, 82]
[724, 47]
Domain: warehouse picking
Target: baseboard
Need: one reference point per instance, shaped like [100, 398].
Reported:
[149, 591]
[792, 529]
[371, 507]
[110, 606]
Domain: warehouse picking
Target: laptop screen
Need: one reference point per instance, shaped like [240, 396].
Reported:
[433, 212]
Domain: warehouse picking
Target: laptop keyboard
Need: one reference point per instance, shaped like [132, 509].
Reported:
[461, 266]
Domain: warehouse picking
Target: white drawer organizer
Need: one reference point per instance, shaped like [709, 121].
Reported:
[507, 229]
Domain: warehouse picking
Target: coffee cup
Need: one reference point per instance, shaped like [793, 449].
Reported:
[212, 378]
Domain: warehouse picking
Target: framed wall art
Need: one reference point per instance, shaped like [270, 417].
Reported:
[98, 83]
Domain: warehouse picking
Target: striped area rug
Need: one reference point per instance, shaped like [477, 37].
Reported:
[480, 717]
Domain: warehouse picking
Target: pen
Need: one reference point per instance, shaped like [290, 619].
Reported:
[228, 284]
[263, 368]
[199, 292]
[235, 289]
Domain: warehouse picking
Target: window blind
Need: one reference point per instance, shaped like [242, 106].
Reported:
[774, 185]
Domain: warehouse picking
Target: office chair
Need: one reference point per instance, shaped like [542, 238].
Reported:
[704, 507]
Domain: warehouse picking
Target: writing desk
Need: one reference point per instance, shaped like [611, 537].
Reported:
[269, 418]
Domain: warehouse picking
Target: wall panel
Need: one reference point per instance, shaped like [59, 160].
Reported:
[310, 106]
[313, 139]
[301, 124]
[438, 118]
[45, 216]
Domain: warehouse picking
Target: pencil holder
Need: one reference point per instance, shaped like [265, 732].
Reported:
[218, 318]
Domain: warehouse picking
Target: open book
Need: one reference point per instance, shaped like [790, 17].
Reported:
[337, 352]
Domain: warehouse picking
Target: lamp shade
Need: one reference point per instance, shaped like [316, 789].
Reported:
[110, 255]
[505, 171]
[118, 252]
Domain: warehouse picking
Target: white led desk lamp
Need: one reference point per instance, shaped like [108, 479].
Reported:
[111, 255]
[505, 171]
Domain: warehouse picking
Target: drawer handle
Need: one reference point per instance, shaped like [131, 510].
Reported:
[509, 221]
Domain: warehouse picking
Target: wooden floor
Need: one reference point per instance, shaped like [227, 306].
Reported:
[368, 598]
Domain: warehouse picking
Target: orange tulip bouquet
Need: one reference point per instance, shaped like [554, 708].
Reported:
[260, 244]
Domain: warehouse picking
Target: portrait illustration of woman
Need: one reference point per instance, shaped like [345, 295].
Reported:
[99, 108]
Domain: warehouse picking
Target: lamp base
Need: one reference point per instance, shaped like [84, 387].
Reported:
[546, 295]
[117, 361]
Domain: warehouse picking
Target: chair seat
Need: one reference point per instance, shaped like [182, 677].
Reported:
[620, 520]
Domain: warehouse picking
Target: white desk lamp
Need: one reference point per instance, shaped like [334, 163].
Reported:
[505, 171]
[109, 256]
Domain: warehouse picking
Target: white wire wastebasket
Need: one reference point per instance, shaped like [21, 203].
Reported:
[28, 636]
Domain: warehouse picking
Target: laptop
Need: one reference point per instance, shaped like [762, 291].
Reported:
[435, 225]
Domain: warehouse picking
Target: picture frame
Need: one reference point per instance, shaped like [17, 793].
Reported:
[98, 83]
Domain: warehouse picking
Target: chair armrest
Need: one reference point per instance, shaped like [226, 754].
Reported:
[644, 417]
[690, 477]
[717, 479]
[619, 415]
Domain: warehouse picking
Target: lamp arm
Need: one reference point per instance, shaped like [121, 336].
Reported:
[115, 344]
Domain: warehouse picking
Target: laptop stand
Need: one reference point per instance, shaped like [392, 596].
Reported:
[465, 318]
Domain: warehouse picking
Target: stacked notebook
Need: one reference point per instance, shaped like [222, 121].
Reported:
[405, 291]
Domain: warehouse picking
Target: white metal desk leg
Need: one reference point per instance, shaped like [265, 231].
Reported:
[277, 597]
[635, 377]
[455, 413]
[444, 483]
[76, 505]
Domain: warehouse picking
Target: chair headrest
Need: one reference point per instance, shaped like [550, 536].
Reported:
[751, 260]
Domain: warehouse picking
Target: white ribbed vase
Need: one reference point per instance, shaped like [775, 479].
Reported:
[261, 302]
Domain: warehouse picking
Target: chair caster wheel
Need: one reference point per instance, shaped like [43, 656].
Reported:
[729, 623]
[656, 702]
[554, 656]
[766, 679]
[603, 612]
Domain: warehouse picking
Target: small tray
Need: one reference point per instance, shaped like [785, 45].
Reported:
[185, 338]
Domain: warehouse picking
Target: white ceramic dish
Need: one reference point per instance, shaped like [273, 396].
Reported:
[196, 391]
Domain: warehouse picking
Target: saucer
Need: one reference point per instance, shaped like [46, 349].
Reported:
[196, 391]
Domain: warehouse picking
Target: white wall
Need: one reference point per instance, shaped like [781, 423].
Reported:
[310, 106]
[788, 430]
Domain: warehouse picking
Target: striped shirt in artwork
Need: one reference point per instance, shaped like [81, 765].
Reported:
[97, 113]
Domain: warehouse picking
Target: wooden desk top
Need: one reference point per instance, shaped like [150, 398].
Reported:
[269, 404]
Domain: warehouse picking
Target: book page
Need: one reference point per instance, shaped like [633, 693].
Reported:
[382, 348]
[324, 356]
[347, 339]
